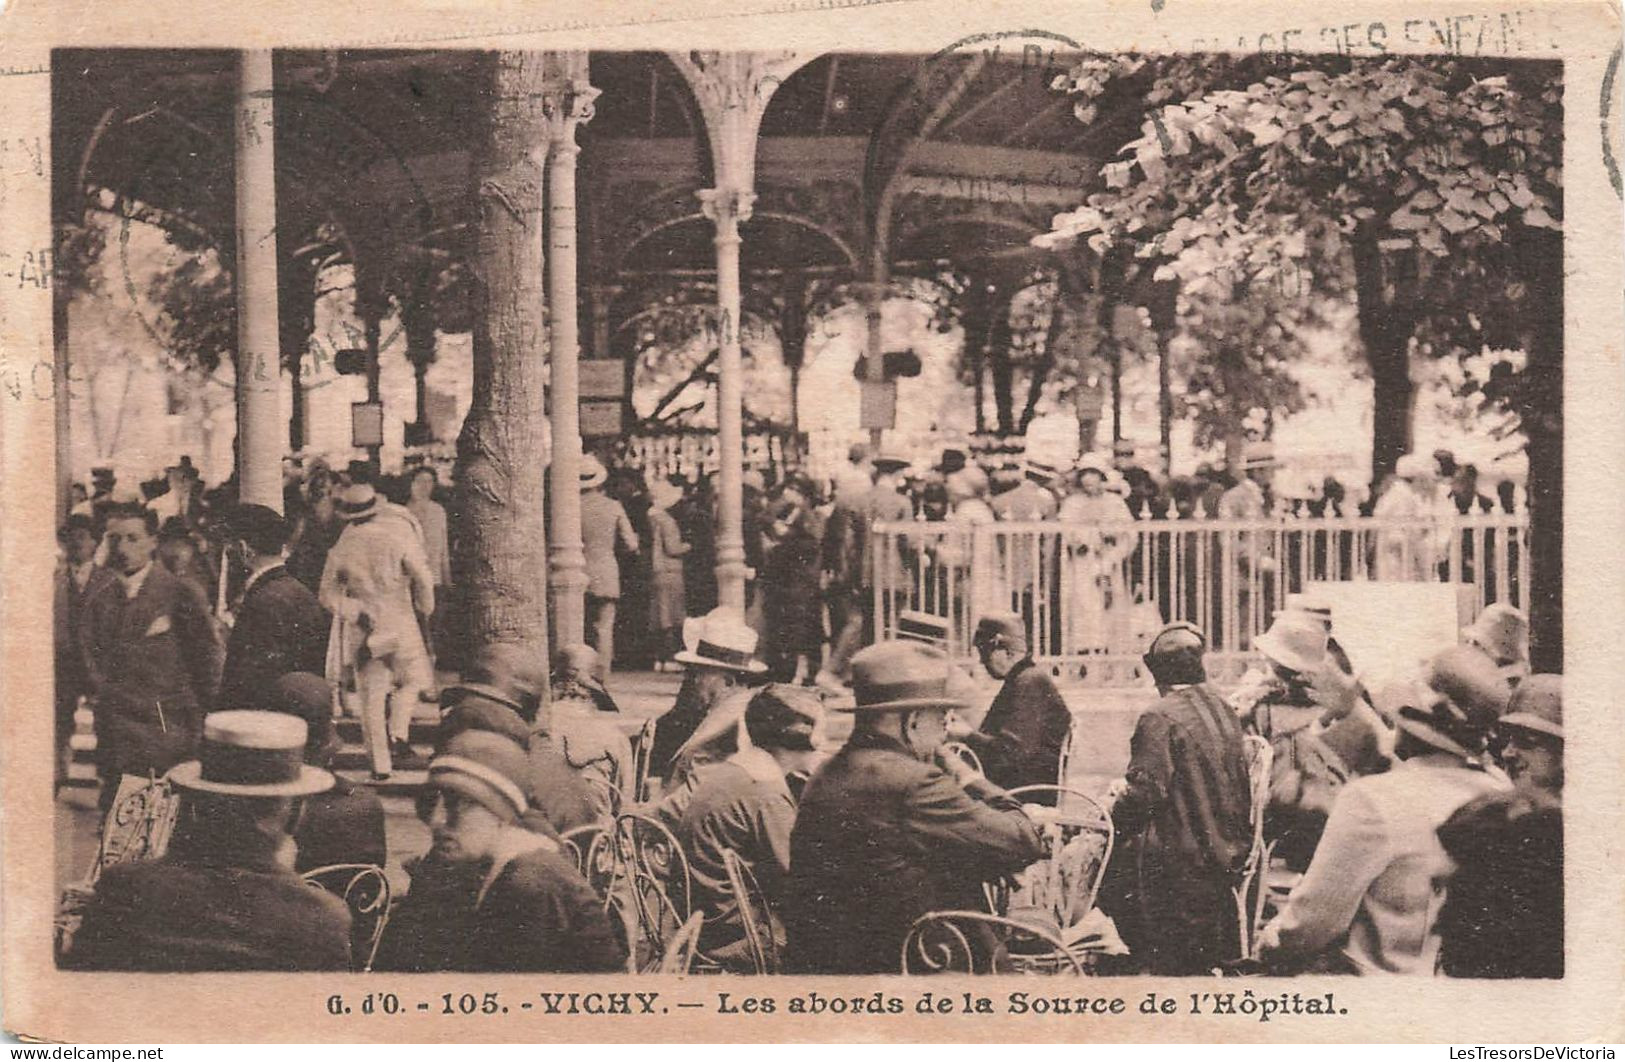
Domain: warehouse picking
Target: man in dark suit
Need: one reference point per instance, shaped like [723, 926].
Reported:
[78, 578]
[280, 627]
[1182, 816]
[1022, 736]
[223, 897]
[884, 834]
[344, 824]
[152, 657]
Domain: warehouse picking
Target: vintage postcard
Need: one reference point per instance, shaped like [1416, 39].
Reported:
[890, 520]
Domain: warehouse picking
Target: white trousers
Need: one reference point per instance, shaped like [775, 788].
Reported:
[389, 689]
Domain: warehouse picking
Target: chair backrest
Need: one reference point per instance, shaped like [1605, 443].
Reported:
[755, 915]
[1251, 891]
[606, 795]
[1065, 766]
[965, 753]
[973, 942]
[1078, 842]
[652, 872]
[138, 825]
[642, 749]
[682, 946]
[364, 888]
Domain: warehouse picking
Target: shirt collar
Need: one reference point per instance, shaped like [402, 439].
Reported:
[134, 583]
[260, 573]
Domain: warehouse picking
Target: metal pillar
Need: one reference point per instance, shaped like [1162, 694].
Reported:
[260, 428]
[566, 103]
[727, 208]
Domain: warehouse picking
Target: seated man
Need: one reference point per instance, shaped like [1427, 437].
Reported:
[1503, 914]
[346, 823]
[719, 655]
[744, 803]
[491, 896]
[1022, 736]
[1368, 902]
[884, 835]
[224, 896]
[1182, 818]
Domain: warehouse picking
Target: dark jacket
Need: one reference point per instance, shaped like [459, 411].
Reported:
[1503, 909]
[560, 798]
[343, 825]
[1184, 832]
[538, 916]
[67, 615]
[1021, 738]
[280, 629]
[883, 838]
[153, 663]
[197, 909]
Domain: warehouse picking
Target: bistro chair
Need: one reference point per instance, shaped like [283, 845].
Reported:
[684, 944]
[975, 942]
[364, 888]
[1253, 889]
[642, 747]
[755, 915]
[651, 874]
[1078, 843]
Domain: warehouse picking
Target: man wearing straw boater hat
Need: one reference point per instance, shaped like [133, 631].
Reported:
[888, 830]
[378, 586]
[718, 657]
[224, 896]
[1369, 902]
[604, 528]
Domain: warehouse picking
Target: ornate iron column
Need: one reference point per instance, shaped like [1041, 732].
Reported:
[733, 89]
[567, 102]
[260, 429]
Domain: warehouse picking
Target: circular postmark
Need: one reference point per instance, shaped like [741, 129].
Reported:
[1609, 121]
[340, 180]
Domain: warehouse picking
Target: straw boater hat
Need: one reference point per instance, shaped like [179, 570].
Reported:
[1295, 640]
[1260, 454]
[252, 754]
[890, 459]
[721, 639]
[902, 676]
[357, 502]
[593, 473]
[1308, 605]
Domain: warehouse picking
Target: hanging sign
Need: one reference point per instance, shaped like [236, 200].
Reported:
[600, 379]
[366, 424]
[878, 408]
[600, 419]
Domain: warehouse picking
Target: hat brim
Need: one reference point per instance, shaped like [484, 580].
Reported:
[311, 780]
[892, 463]
[1277, 653]
[597, 479]
[357, 514]
[1430, 736]
[1530, 722]
[906, 705]
[683, 656]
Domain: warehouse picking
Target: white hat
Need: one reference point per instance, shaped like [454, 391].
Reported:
[592, 472]
[1414, 466]
[252, 754]
[1296, 640]
[721, 639]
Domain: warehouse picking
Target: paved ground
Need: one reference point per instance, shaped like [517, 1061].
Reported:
[1103, 723]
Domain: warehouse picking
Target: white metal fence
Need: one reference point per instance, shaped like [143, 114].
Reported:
[1092, 594]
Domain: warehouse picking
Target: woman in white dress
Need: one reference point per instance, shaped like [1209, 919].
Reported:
[1099, 535]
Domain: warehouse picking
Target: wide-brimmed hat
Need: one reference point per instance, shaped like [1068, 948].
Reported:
[1501, 631]
[357, 502]
[890, 459]
[1259, 454]
[1295, 640]
[252, 754]
[1308, 605]
[721, 639]
[1039, 471]
[1536, 705]
[593, 473]
[901, 676]
[506, 674]
[1459, 699]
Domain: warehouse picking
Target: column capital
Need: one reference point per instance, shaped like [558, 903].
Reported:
[566, 103]
[727, 207]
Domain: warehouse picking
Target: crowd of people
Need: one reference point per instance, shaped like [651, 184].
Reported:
[1409, 829]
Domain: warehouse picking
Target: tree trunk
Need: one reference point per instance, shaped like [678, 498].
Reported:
[1163, 305]
[1541, 409]
[1004, 373]
[499, 502]
[1385, 301]
[296, 318]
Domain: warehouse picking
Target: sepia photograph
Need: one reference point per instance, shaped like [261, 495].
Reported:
[1006, 506]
